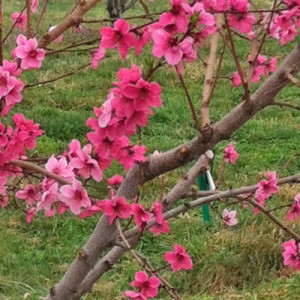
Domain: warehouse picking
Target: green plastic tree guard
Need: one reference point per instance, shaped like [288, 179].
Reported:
[203, 185]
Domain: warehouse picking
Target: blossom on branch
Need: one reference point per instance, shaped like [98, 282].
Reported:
[291, 254]
[29, 53]
[19, 20]
[229, 217]
[178, 259]
[148, 286]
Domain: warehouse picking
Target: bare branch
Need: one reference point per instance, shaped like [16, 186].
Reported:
[73, 19]
[208, 81]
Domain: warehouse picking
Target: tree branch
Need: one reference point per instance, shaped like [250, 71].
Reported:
[208, 81]
[73, 18]
[105, 235]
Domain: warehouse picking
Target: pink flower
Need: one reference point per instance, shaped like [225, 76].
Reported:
[176, 16]
[242, 22]
[134, 295]
[74, 196]
[147, 286]
[30, 213]
[59, 167]
[119, 36]
[49, 197]
[19, 20]
[98, 55]
[29, 194]
[115, 180]
[29, 130]
[230, 155]
[117, 208]
[87, 167]
[178, 259]
[7, 82]
[97, 207]
[34, 6]
[4, 200]
[265, 188]
[30, 54]
[294, 212]
[236, 79]
[12, 68]
[168, 46]
[141, 216]
[162, 227]
[291, 255]
[229, 217]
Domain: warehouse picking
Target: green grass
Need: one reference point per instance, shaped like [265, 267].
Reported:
[230, 263]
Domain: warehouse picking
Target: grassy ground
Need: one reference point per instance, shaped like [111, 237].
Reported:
[230, 263]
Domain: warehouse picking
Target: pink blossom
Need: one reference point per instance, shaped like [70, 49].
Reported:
[30, 213]
[117, 208]
[4, 200]
[115, 180]
[12, 68]
[218, 5]
[167, 46]
[49, 197]
[130, 155]
[87, 166]
[290, 254]
[178, 259]
[74, 196]
[135, 295]
[265, 188]
[93, 209]
[59, 167]
[141, 216]
[294, 212]
[34, 6]
[241, 22]
[14, 95]
[30, 54]
[147, 286]
[162, 227]
[29, 194]
[7, 82]
[288, 35]
[119, 36]
[20, 20]
[97, 56]
[236, 79]
[3, 181]
[230, 155]
[176, 16]
[229, 217]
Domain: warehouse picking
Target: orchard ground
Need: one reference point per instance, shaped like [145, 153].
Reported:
[243, 262]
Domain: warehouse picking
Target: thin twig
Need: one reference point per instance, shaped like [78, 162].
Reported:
[284, 104]
[13, 25]
[146, 265]
[191, 105]
[90, 42]
[28, 23]
[236, 60]
[30, 85]
[41, 15]
[208, 81]
[275, 219]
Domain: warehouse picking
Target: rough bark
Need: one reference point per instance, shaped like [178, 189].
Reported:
[73, 19]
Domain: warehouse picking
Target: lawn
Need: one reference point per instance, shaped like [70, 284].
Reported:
[243, 262]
